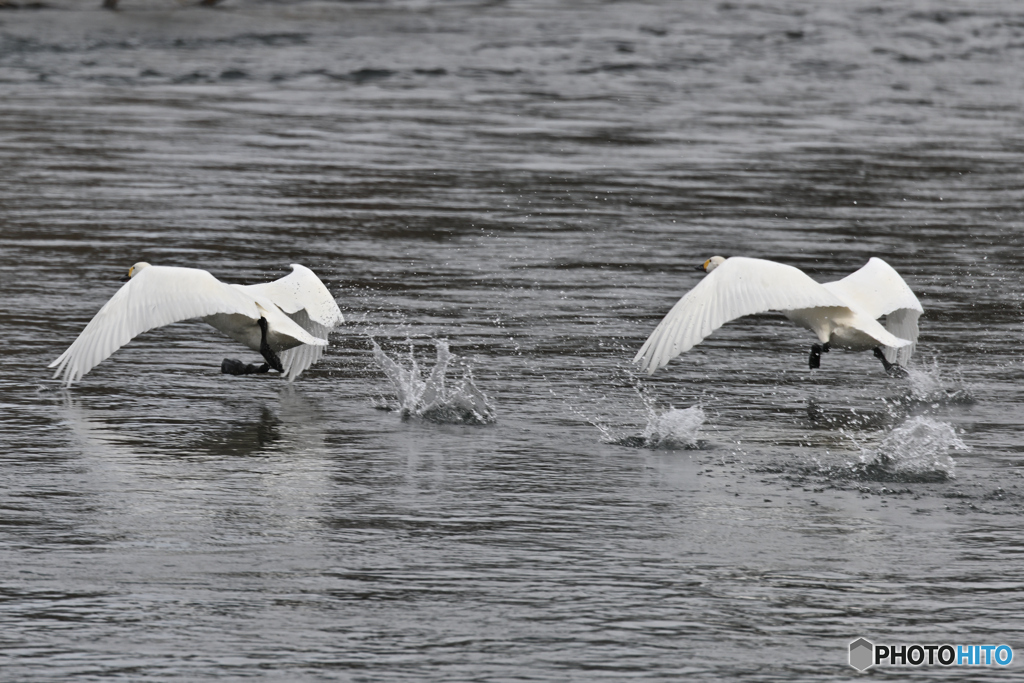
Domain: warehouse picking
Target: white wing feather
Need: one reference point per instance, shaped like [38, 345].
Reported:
[309, 303]
[902, 323]
[156, 296]
[877, 289]
[302, 289]
[738, 287]
[297, 360]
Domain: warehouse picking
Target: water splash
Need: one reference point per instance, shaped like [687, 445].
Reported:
[929, 386]
[916, 451]
[920, 445]
[929, 391]
[429, 398]
[671, 429]
[674, 428]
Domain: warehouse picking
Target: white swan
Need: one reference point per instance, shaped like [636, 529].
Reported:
[842, 314]
[286, 320]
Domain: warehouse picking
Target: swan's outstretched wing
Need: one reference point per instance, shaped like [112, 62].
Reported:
[877, 290]
[307, 301]
[738, 287]
[302, 289]
[154, 297]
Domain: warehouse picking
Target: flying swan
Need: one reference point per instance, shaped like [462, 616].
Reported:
[286, 320]
[843, 314]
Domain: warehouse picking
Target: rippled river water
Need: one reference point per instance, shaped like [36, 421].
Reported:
[531, 183]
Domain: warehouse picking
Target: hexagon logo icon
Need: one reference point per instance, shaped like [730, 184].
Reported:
[862, 654]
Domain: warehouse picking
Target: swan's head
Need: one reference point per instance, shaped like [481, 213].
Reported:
[711, 263]
[134, 270]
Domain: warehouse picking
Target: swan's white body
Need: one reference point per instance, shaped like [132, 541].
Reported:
[298, 309]
[843, 314]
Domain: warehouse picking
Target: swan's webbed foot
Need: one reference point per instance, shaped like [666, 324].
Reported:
[230, 366]
[268, 353]
[816, 351]
[891, 369]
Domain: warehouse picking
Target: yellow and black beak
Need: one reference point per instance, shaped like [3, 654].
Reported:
[126, 278]
[704, 266]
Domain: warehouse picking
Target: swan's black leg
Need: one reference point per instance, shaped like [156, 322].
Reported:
[816, 351]
[891, 369]
[268, 353]
[230, 366]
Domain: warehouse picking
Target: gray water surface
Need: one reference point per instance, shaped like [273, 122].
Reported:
[534, 183]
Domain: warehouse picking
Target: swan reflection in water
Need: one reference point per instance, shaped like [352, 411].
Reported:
[161, 472]
[294, 425]
[113, 4]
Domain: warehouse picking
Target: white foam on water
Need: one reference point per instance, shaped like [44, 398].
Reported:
[428, 396]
